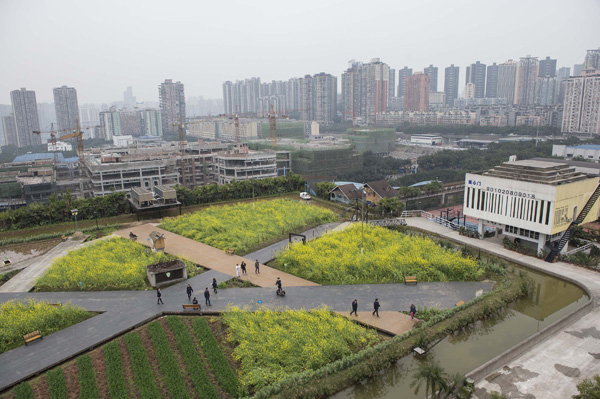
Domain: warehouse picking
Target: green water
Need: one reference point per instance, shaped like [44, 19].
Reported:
[464, 351]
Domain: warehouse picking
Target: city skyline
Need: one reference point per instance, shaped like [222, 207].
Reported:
[170, 44]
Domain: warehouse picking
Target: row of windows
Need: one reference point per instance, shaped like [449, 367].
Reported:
[531, 210]
[522, 232]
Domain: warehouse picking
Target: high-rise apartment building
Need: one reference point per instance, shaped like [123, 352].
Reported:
[402, 75]
[577, 68]
[491, 84]
[416, 93]
[10, 130]
[129, 98]
[391, 86]
[507, 80]
[110, 123]
[172, 104]
[150, 122]
[365, 90]
[26, 117]
[546, 91]
[592, 59]
[451, 80]
[547, 67]
[476, 75]
[67, 109]
[242, 96]
[581, 111]
[563, 74]
[321, 97]
[527, 73]
[432, 72]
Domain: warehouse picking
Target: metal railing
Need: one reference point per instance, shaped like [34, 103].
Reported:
[437, 219]
[579, 249]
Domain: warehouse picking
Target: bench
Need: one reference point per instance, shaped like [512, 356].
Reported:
[230, 251]
[32, 336]
[460, 303]
[193, 306]
[63, 238]
[410, 279]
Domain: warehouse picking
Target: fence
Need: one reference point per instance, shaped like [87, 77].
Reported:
[437, 219]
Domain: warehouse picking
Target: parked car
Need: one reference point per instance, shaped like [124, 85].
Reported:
[304, 195]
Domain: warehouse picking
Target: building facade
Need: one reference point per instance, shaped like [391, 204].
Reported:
[432, 72]
[532, 200]
[416, 93]
[546, 91]
[26, 117]
[507, 80]
[245, 166]
[581, 109]
[527, 73]
[10, 130]
[402, 75]
[476, 75]
[67, 108]
[451, 80]
[491, 83]
[172, 105]
[547, 67]
[365, 90]
[592, 59]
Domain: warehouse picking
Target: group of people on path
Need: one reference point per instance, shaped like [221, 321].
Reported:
[242, 267]
[376, 306]
[189, 290]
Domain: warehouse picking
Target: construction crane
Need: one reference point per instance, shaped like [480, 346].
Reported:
[182, 144]
[52, 139]
[236, 123]
[78, 134]
[273, 125]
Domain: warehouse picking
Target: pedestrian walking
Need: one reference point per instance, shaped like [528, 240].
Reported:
[244, 267]
[214, 285]
[159, 295]
[376, 306]
[237, 270]
[256, 269]
[207, 296]
[354, 307]
[189, 291]
[413, 311]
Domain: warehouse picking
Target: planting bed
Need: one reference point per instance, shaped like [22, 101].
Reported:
[246, 225]
[111, 264]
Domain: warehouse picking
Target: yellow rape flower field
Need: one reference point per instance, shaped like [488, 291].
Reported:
[246, 225]
[111, 264]
[271, 345]
[335, 258]
[18, 318]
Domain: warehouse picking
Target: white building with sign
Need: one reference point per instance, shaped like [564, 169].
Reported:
[532, 200]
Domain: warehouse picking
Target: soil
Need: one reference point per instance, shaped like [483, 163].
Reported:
[127, 369]
[153, 360]
[71, 372]
[20, 252]
[40, 388]
[99, 366]
[178, 357]
[187, 321]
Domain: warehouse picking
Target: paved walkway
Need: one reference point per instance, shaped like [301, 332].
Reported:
[554, 367]
[213, 258]
[36, 267]
[125, 310]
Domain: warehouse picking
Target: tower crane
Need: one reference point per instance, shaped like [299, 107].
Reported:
[52, 132]
[273, 125]
[182, 143]
[78, 134]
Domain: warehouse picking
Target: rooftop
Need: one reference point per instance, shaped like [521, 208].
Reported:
[37, 156]
[595, 147]
[536, 171]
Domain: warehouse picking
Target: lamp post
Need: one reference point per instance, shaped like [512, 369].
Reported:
[362, 223]
[74, 213]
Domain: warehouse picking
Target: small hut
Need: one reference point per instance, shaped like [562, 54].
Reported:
[158, 241]
[168, 272]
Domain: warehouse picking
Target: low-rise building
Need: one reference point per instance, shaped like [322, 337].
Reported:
[245, 166]
[589, 152]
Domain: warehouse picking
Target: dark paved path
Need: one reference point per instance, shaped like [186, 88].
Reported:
[125, 310]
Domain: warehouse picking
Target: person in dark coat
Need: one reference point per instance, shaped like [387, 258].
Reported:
[194, 301]
[159, 295]
[256, 267]
[207, 296]
[376, 306]
[413, 311]
[354, 307]
[243, 265]
[214, 285]
[189, 291]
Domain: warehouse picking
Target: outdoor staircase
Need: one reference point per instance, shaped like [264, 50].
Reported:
[567, 234]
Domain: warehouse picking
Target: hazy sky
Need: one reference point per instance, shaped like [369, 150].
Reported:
[101, 47]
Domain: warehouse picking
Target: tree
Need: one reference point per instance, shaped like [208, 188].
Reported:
[589, 388]
[434, 377]
[392, 205]
[323, 188]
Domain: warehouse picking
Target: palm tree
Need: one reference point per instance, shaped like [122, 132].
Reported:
[432, 374]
